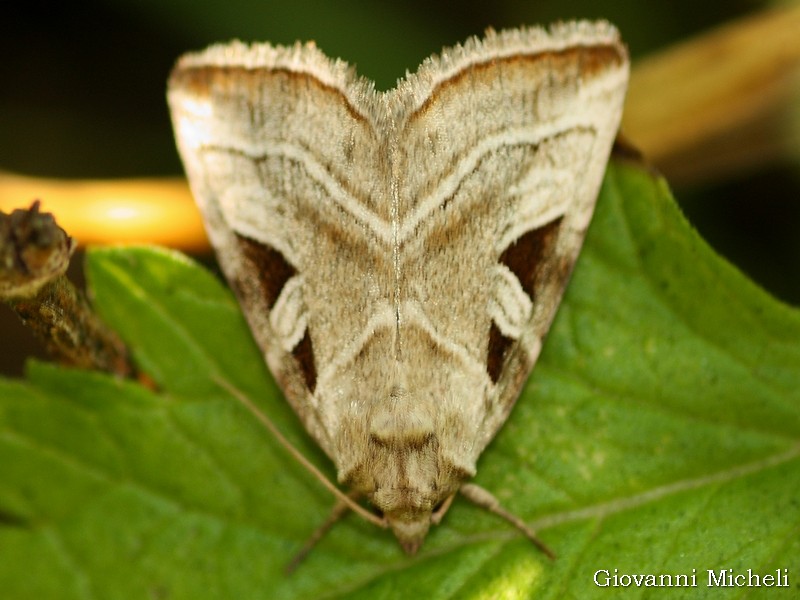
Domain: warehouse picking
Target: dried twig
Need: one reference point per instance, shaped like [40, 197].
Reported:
[34, 255]
[722, 102]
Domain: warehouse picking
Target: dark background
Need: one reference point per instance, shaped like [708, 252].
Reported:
[83, 94]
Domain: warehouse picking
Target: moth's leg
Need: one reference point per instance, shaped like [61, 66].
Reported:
[483, 498]
[339, 509]
[440, 512]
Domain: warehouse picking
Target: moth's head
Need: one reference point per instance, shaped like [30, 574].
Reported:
[404, 486]
[409, 512]
[410, 532]
[401, 465]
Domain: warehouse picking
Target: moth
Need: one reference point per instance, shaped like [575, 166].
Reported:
[400, 255]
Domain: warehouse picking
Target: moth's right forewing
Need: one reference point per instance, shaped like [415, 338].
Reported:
[502, 146]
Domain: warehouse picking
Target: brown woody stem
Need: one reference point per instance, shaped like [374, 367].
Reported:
[34, 255]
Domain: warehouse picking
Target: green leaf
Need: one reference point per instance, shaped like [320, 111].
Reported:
[659, 433]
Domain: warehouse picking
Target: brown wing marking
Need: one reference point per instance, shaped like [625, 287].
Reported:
[304, 355]
[268, 265]
[524, 256]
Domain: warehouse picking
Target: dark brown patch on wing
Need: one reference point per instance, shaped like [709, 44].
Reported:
[304, 355]
[524, 256]
[268, 265]
[498, 345]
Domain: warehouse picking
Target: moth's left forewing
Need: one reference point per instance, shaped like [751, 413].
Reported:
[269, 136]
[514, 131]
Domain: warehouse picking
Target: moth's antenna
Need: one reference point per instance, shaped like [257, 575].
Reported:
[343, 498]
[483, 498]
[338, 511]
